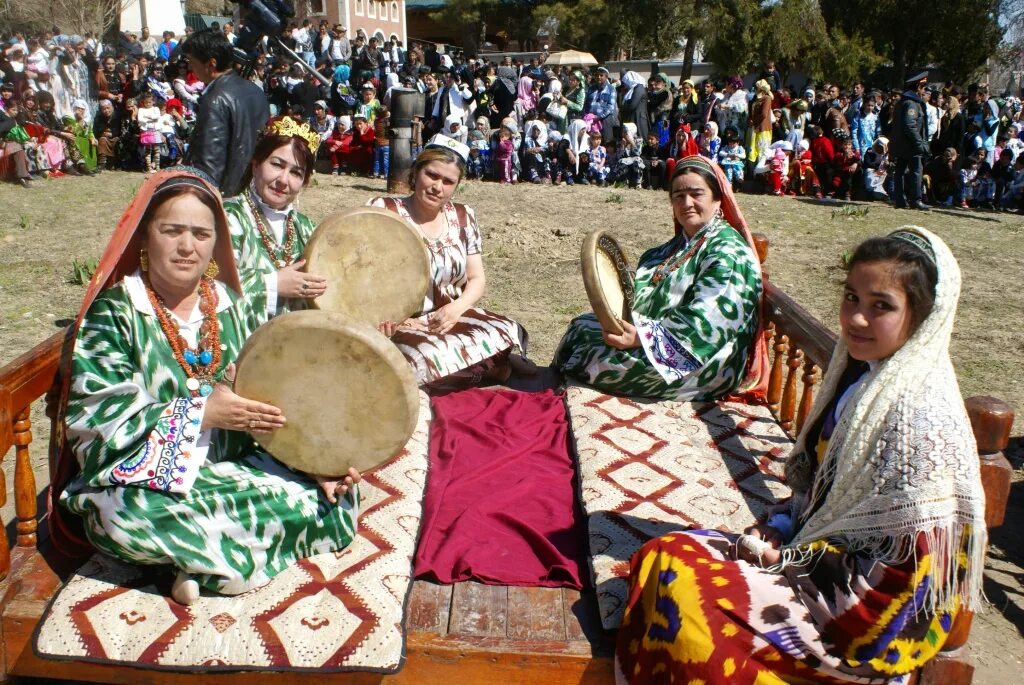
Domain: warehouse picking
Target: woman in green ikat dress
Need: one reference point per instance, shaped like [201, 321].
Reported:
[153, 454]
[696, 317]
[268, 233]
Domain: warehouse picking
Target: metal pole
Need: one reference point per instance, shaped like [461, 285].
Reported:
[405, 104]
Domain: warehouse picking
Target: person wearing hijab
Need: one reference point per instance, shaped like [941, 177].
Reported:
[503, 95]
[695, 323]
[760, 125]
[633, 103]
[859, 576]
[526, 101]
[454, 128]
[659, 106]
[154, 463]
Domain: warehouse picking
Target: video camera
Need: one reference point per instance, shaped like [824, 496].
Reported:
[261, 18]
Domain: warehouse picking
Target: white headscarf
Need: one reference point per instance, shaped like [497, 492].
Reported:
[542, 139]
[631, 80]
[578, 139]
[902, 460]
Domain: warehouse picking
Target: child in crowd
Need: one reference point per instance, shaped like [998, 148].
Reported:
[476, 165]
[732, 158]
[778, 166]
[597, 170]
[803, 179]
[173, 129]
[1013, 143]
[382, 150]
[708, 141]
[629, 168]
[968, 181]
[566, 172]
[534, 153]
[335, 143]
[505, 152]
[876, 169]
[984, 188]
[551, 157]
[369, 105]
[845, 169]
[654, 163]
[1013, 195]
[1002, 173]
[822, 153]
[148, 116]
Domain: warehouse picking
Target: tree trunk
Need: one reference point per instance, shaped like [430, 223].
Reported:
[899, 62]
[691, 44]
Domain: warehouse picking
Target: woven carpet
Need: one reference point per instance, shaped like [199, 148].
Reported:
[332, 612]
[652, 467]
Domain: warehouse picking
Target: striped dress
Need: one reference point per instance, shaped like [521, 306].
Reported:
[156, 489]
[481, 339]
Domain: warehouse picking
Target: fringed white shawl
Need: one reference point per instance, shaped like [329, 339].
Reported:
[902, 460]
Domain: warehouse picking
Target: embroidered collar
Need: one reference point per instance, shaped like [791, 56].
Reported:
[136, 288]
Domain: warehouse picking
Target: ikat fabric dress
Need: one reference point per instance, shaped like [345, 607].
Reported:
[156, 489]
[481, 339]
[696, 311]
[256, 268]
[696, 615]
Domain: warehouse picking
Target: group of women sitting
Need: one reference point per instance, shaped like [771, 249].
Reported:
[857, 578]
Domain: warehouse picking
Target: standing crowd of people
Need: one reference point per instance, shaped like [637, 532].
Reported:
[69, 104]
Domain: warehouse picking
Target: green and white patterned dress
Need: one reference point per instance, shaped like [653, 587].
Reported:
[695, 326]
[154, 488]
[256, 269]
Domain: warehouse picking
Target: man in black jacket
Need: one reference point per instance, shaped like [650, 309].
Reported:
[232, 111]
[909, 144]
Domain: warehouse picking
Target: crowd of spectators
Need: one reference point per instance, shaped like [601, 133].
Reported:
[70, 104]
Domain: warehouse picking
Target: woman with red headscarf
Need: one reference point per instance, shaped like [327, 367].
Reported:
[151, 439]
[695, 332]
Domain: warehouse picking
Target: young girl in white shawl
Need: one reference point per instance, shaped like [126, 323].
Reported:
[859, 577]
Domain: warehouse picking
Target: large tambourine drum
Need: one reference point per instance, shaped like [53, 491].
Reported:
[608, 279]
[376, 265]
[347, 393]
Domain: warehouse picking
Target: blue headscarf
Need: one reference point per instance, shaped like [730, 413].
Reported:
[341, 73]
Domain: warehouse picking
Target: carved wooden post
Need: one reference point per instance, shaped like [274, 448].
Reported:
[992, 420]
[775, 379]
[788, 410]
[807, 396]
[761, 244]
[24, 480]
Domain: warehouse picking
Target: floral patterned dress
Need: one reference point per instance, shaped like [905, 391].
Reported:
[155, 488]
[257, 269]
[481, 339]
[696, 310]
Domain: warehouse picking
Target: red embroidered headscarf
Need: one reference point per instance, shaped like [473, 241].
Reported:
[120, 258]
[754, 387]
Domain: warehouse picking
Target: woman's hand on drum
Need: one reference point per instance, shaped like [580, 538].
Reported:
[389, 328]
[626, 340]
[225, 409]
[444, 319]
[291, 282]
[337, 487]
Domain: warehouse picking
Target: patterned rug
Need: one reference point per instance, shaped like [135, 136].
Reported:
[648, 468]
[332, 612]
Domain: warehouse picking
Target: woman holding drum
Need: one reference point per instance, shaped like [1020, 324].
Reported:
[696, 312]
[153, 454]
[267, 233]
[453, 343]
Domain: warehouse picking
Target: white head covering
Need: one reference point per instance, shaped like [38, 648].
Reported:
[542, 139]
[345, 119]
[902, 461]
[441, 140]
[554, 86]
[631, 80]
[578, 138]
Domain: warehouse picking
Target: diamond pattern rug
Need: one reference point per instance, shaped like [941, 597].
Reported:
[648, 468]
[332, 612]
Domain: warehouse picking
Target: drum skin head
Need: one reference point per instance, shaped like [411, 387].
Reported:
[376, 265]
[607, 279]
[348, 394]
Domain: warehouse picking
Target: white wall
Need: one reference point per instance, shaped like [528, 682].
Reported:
[161, 15]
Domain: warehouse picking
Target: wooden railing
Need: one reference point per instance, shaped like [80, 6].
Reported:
[22, 382]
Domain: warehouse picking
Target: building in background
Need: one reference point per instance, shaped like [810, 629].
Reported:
[383, 19]
[158, 15]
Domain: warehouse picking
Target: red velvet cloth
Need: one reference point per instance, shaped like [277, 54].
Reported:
[501, 492]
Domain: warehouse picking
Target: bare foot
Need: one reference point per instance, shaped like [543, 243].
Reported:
[184, 590]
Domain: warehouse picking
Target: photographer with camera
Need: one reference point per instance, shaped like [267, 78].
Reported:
[230, 115]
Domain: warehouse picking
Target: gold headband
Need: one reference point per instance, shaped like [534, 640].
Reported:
[289, 128]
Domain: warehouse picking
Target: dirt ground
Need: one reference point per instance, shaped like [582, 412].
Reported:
[531, 249]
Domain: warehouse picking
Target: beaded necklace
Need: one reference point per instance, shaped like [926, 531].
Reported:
[201, 363]
[280, 255]
[674, 260]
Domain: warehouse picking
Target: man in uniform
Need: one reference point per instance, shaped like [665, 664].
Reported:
[909, 143]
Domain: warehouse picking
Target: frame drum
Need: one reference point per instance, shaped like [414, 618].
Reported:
[348, 394]
[608, 279]
[376, 265]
